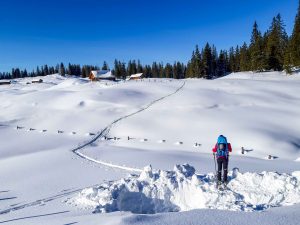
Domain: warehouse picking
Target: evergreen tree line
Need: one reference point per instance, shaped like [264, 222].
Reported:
[156, 70]
[70, 69]
[272, 50]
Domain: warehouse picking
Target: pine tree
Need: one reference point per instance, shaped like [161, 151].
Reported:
[277, 41]
[288, 61]
[117, 69]
[84, 73]
[232, 61]
[56, 69]
[62, 70]
[214, 60]
[221, 65]
[46, 70]
[237, 59]
[25, 74]
[168, 70]
[105, 66]
[294, 45]
[147, 71]
[134, 67]
[207, 61]
[139, 67]
[178, 70]
[245, 58]
[191, 66]
[161, 70]
[256, 50]
[154, 70]
[197, 64]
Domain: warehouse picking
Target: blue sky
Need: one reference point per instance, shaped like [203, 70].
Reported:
[36, 32]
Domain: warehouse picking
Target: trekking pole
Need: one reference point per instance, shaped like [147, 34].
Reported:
[215, 165]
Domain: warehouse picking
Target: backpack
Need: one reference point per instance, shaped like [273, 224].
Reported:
[222, 150]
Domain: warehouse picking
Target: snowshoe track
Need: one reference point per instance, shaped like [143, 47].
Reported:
[107, 129]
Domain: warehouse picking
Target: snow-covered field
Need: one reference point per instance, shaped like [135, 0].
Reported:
[72, 151]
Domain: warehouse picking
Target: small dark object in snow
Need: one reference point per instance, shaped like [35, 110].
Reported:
[19, 127]
[37, 81]
[130, 138]
[44, 131]
[5, 82]
[109, 138]
[246, 150]
[31, 129]
[270, 157]
[60, 131]
[91, 134]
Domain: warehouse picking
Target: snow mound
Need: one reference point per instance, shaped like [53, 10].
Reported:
[71, 82]
[182, 190]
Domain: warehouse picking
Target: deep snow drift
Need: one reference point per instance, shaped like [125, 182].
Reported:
[182, 190]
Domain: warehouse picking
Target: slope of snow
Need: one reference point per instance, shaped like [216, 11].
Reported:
[40, 125]
[261, 76]
[257, 114]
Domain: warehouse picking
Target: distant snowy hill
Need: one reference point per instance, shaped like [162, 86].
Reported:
[71, 147]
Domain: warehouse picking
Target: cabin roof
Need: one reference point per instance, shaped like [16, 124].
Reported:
[136, 75]
[102, 74]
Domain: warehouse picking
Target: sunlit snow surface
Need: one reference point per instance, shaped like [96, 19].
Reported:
[162, 122]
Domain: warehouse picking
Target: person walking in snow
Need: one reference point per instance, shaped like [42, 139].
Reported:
[221, 151]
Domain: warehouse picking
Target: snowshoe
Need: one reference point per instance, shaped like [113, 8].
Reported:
[220, 186]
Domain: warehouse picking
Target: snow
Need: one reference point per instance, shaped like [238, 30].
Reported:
[182, 190]
[44, 173]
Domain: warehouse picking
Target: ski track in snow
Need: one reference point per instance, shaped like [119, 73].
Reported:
[39, 202]
[106, 131]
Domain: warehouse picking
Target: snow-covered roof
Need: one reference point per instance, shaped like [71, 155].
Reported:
[102, 73]
[136, 75]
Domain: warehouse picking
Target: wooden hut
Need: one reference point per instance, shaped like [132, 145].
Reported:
[97, 75]
[137, 76]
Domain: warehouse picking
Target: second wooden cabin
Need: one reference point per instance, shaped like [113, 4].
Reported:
[137, 76]
[97, 75]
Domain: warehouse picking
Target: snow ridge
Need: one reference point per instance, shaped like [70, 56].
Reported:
[182, 190]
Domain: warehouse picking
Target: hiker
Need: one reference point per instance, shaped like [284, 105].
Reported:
[221, 150]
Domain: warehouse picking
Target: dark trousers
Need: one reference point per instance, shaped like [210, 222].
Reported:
[222, 162]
